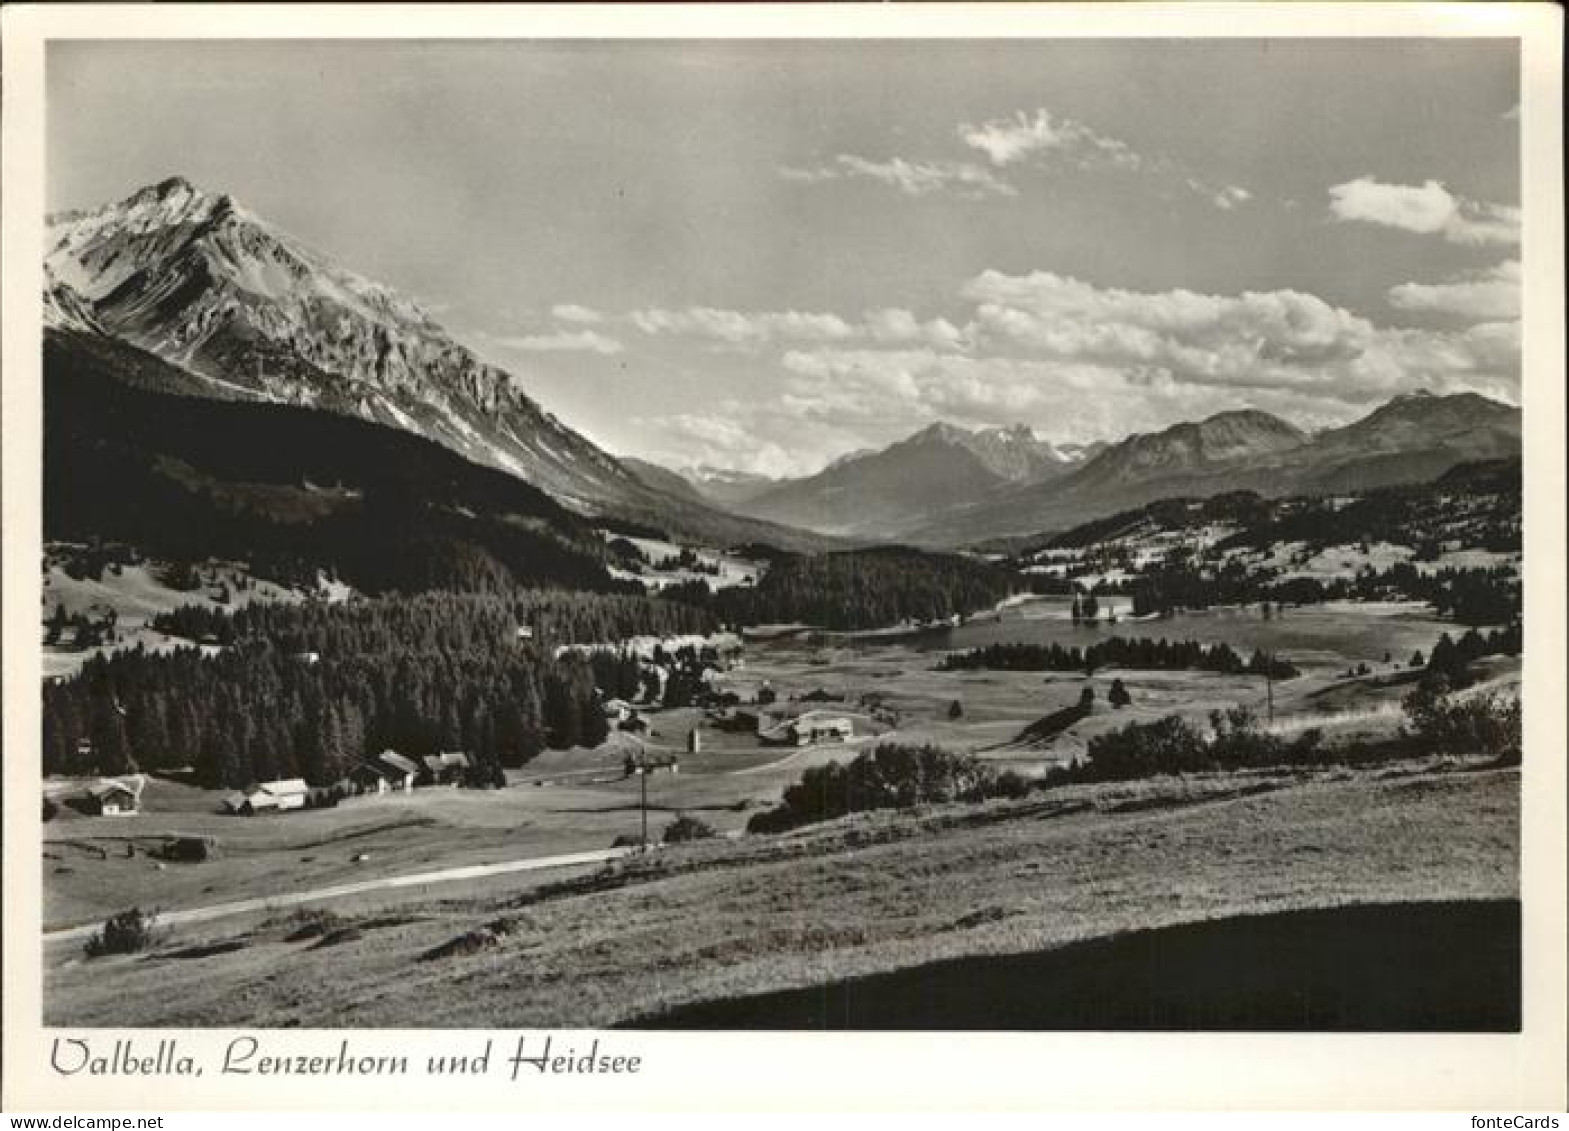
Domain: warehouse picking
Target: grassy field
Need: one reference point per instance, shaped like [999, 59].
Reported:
[1329, 637]
[857, 897]
[578, 800]
[1401, 967]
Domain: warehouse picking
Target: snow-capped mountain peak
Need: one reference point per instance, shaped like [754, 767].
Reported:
[203, 282]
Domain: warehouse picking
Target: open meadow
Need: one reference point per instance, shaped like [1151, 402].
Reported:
[581, 800]
[859, 896]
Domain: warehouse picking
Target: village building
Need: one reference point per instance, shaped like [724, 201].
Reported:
[368, 777]
[111, 799]
[616, 710]
[807, 730]
[403, 773]
[446, 768]
[645, 764]
[271, 796]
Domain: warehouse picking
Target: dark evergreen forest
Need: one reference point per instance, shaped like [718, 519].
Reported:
[859, 589]
[1118, 652]
[310, 689]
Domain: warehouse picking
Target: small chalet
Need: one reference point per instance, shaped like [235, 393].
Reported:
[368, 777]
[616, 710]
[403, 773]
[271, 796]
[111, 799]
[808, 729]
[447, 768]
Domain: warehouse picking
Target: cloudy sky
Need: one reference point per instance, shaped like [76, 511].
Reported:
[762, 255]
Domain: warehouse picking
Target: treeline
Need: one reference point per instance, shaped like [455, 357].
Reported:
[855, 590]
[1470, 596]
[551, 617]
[308, 690]
[1451, 659]
[1118, 652]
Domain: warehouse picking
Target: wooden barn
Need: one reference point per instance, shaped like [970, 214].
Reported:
[449, 767]
[111, 799]
[368, 777]
[270, 797]
[808, 730]
[403, 773]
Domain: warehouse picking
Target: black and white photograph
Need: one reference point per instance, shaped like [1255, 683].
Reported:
[786, 535]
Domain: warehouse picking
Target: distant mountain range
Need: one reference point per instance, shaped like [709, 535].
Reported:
[245, 312]
[235, 310]
[1412, 438]
[945, 486]
[881, 494]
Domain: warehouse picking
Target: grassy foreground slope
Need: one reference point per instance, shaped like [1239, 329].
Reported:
[885, 892]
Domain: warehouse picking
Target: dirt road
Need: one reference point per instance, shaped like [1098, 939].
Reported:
[339, 891]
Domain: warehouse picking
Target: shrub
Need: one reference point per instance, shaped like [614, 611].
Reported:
[685, 828]
[129, 932]
[1172, 746]
[1118, 696]
[1012, 785]
[188, 849]
[956, 710]
[313, 923]
[1165, 746]
[1482, 726]
[891, 776]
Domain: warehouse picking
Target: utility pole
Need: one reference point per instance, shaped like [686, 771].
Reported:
[642, 789]
[1269, 686]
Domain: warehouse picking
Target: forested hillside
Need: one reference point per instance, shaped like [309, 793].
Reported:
[858, 590]
[309, 690]
[287, 489]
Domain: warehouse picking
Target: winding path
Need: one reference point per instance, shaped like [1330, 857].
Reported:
[339, 891]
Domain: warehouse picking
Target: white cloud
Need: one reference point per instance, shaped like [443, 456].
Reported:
[743, 327]
[877, 395]
[571, 312]
[1006, 141]
[1248, 340]
[762, 327]
[1491, 296]
[1230, 197]
[913, 178]
[1254, 343]
[578, 341]
[1035, 138]
[1077, 362]
[1427, 209]
[723, 439]
[1081, 363]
